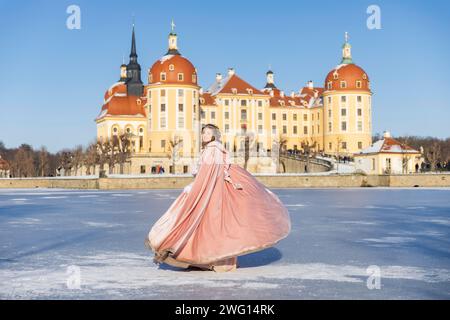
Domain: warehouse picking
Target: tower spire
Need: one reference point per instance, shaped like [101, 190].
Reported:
[173, 48]
[134, 83]
[346, 51]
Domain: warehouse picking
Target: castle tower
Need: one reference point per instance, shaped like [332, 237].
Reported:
[347, 107]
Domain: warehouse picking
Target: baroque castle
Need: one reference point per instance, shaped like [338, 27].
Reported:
[163, 118]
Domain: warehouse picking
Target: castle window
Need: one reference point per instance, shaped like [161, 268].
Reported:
[359, 125]
[284, 116]
[260, 115]
[329, 128]
[141, 130]
[274, 129]
[330, 145]
[259, 103]
[344, 126]
[284, 129]
[344, 145]
[163, 107]
[180, 92]
[305, 130]
[343, 112]
[163, 76]
[180, 77]
[234, 90]
[227, 128]
[226, 102]
[359, 112]
[359, 99]
[227, 115]
[163, 144]
[260, 129]
[163, 93]
[243, 114]
[171, 67]
[274, 116]
[358, 84]
[343, 99]
[305, 117]
[329, 100]
[343, 84]
[294, 116]
[329, 113]
[180, 107]
[213, 115]
[243, 103]
[294, 130]
[335, 76]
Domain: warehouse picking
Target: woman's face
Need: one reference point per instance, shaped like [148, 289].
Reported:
[207, 134]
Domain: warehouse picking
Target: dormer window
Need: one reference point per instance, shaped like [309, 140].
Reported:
[180, 77]
[358, 84]
[343, 84]
[194, 78]
[202, 100]
[335, 76]
[364, 76]
[139, 101]
[163, 76]
[329, 85]
[282, 103]
[250, 91]
[234, 90]
[171, 67]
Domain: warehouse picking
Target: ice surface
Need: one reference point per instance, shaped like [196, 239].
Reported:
[337, 234]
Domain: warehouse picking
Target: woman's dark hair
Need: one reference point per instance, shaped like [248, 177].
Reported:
[216, 133]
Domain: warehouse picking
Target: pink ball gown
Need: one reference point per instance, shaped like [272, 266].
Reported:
[225, 212]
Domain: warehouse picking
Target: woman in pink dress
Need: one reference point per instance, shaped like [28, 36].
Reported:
[225, 212]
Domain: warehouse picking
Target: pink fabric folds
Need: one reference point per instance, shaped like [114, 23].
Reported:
[225, 212]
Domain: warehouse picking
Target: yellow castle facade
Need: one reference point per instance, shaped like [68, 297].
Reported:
[164, 116]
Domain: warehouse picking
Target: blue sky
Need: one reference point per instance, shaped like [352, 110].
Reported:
[54, 78]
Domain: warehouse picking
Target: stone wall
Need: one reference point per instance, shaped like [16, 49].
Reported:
[271, 181]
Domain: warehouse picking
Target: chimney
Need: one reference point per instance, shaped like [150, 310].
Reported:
[271, 93]
[230, 72]
[310, 84]
[386, 134]
[282, 94]
[200, 91]
[292, 94]
[218, 77]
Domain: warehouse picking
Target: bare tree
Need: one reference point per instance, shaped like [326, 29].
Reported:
[65, 161]
[174, 146]
[123, 148]
[91, 158]
[23, 163]
[433, 155]
[308, 149]
[77, 160]
[279, 146]
[44, 162]
[104, 148]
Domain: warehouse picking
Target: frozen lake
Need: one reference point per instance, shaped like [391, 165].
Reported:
[89, 244]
